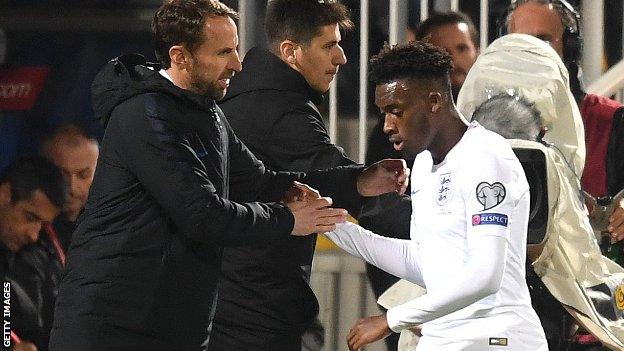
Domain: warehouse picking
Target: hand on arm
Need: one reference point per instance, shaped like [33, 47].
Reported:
[163, 161]
[312, 212]
[300, 192]
[385, 176]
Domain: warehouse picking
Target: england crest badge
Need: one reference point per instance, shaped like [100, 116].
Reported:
[444, 189]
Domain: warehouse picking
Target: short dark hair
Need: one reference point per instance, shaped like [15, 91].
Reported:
[301, 20]
[182, 22]
[414, 60]
[439, 19]
[31, 173]
[513, 117]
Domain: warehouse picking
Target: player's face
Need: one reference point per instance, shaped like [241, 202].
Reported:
[405, 108]
[539, 20]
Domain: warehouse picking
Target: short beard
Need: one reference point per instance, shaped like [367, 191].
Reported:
[206, 89]
[201, 87]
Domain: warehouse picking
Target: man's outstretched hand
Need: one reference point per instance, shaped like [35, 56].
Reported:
[312, 212]
[368, 330]
[385, 176]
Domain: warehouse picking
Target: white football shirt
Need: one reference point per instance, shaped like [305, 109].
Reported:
[468, 249]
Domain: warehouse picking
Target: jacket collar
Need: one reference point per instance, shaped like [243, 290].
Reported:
[262, 70]
[130, 75]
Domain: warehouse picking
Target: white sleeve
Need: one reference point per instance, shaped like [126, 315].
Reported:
[480, 277]
[395, 256]
[491, 191]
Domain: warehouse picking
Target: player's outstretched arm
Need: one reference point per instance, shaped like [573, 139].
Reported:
[395, 256]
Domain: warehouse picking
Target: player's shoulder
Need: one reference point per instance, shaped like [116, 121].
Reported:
[494, 156]
[487, 144]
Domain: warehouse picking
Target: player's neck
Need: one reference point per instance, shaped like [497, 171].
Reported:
[451, 131]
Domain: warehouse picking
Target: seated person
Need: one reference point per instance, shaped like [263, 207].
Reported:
[512, 117]
[32, 192]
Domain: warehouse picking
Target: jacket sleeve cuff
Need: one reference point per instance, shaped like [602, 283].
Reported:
[285, 221]
[339, 183]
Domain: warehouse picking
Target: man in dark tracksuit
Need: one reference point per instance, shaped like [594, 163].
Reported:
[265, 302]
[145, 258]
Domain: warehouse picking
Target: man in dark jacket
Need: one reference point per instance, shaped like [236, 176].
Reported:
[265, 302]
[145, 257]
[32, 192]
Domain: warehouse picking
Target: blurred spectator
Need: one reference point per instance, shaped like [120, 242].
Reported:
[454, 32]
[32, 192]
[75, 153]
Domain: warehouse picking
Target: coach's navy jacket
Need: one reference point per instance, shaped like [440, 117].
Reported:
[144, 261]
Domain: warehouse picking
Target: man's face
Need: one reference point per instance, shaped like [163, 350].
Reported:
[455, 38]
[215, 61]
[539, 20]
[20, 222]
[77, 161]
[404, 105]
[319, 60]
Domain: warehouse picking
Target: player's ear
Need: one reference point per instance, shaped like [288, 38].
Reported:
[435, 101]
